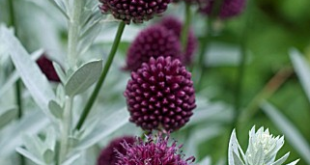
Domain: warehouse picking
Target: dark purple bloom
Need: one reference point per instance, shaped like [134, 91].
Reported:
[154, 41]
[136, 11]
[155, 151]
[175, 25]
[160, 95]
[228, 9]
[47, 68]
[108, 155]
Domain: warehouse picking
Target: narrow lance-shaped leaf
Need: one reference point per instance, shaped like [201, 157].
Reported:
[291, 133]
[33, 78]
[302, 69]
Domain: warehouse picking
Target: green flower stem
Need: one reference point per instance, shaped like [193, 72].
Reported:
[73, 31]
[201, 58]
[65, 131]
[18, 84]
[185, 29]
[241, 68]
[104, 73]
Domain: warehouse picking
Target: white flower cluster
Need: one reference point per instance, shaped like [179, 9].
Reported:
[262, 149]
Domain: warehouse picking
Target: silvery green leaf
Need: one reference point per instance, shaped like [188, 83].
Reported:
[281, 160]
[259, 156]
[294, 162]
[83, 78]
[290, 131]
[30, 156]
[60, 95]
[55, 109]
[50, 140]
[88, 37]
[33, 145]
[60, 72]
[233, 150]
[49, 156]
[302, 69]
[71, 159]
[30, 73]
[7, 116]
[14, 76]
[108, 126]
[59, 4]
[31, 123]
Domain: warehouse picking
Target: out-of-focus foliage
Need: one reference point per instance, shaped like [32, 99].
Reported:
[274, 28]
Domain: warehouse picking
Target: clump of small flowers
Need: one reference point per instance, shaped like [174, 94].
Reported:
[175, 25]
[262, 149]
[160, 95]
[155, 151]
[108, 155]
[46, 66]
[228, 8]
[135, 11]
[153, 41]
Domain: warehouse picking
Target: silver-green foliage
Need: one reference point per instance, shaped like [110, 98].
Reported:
[262, 149]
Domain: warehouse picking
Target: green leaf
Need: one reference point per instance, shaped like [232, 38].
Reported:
[291, 133]
[33, 78]
[281, 160]
[55, 109]
[60, 72]
[302, 69]
[31, 123]
[49, 156]
[14, 76]
[7, 116]
[233, 151]
[30, 156]
[109, 125]
[83, 78]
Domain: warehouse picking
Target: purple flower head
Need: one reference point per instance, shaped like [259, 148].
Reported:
[160, 95]
[175, 25]
[135, 11]
[228, 9]
[47, 68]
[154, 41]
[108, 155]
[155, 151]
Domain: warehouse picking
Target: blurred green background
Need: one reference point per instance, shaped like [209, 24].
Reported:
[273, 29]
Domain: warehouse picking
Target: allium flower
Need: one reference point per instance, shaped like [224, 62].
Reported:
[160, 95]
[136, 11]
[175, 26]
[108, 155]
[156, 151]
[154, 41]
[228, 9]
[47, 68]
[263, 148]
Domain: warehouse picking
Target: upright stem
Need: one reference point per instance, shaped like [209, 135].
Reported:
[201, 58]
[65, 130]
[185, 29]
[18, 84]
[103, 75]
[73, 31]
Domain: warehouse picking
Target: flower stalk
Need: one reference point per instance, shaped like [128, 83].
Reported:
[104, 73]
[185, 29]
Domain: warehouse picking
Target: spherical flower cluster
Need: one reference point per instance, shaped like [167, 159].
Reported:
[47, 68]
[228, 9]
[160, 95]
[153, 152]
[108, 155]
[175, 25]
[135, 11]
[154, 41]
